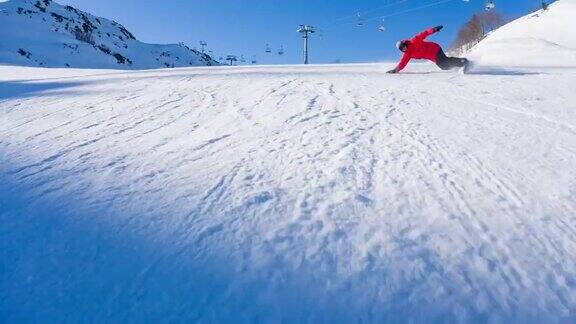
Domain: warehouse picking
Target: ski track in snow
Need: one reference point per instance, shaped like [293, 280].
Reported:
[298, 194]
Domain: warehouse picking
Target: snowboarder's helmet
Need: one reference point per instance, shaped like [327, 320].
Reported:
[401, 45]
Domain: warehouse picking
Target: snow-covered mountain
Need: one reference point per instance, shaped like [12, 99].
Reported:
[47, 34]
[543, 38]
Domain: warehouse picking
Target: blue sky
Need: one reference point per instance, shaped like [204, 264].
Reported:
[244, 27]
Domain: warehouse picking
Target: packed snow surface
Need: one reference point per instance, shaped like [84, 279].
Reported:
[288, 194]
[297, 194]
[543, 38]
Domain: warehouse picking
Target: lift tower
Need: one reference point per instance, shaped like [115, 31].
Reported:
[306, 30]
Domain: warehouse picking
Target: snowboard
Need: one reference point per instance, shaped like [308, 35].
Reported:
[468, 67]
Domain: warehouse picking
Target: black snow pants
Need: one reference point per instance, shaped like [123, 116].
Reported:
[446, 63]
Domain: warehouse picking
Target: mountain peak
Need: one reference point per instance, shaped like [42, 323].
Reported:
[45, 33]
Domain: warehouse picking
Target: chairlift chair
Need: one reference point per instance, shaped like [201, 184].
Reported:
[490, 5]
[382, 27]
[359, 20]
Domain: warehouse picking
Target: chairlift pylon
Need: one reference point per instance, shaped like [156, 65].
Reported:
[232, 59]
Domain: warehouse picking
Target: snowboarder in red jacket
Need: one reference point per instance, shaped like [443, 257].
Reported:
[418, 48]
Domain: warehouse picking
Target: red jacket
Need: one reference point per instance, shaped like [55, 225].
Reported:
[419, 49]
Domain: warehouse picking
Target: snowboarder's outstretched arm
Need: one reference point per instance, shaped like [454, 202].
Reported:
[422, 36]
[403, 62]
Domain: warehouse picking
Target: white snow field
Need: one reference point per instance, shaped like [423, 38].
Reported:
[543, 38]
[296, 194]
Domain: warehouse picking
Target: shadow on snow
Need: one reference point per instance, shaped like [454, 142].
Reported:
[24, 89]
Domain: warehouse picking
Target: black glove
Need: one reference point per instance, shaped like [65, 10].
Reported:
[392, 71]
[438, 28]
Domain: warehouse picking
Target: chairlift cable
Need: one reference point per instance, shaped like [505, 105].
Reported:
[362, 20]
[409, 10]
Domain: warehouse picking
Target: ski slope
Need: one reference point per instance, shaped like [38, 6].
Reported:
[543, 38]
[316, 194]
[297, 194]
